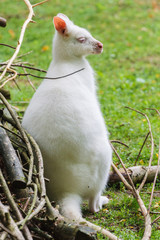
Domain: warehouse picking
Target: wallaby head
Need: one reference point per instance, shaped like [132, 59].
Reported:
[73, 41]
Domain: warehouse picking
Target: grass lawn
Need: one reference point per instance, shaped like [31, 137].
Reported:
[128, 74]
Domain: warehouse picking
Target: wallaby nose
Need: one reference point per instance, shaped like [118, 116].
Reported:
[100, 45]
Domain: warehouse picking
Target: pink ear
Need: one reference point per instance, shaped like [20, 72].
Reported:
[59, 24]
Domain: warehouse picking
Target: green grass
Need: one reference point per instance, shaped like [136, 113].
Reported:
[128, 74]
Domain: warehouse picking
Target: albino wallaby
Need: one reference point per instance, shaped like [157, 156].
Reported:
[65, 119]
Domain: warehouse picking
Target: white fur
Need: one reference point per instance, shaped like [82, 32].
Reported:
[65, 119]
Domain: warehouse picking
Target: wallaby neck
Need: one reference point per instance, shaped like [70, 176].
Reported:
[63, 68]
[67, 66]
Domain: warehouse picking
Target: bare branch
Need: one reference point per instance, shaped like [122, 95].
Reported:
[154, 110]
[24, 66]
[13, 205]
[29, 18]
[40, 166]
[152, 146]
[23, 134]
[11, 161]
[147, 218]
[121, 177]
[10, 78]
[155, 178]
[23, 222]
[6, 45]
[137, 174]
[141, 148]
[3, 235]
[117, 141]
[129, 178]
[9, 223]
[37, 4]
[49, 78]
[29, 80]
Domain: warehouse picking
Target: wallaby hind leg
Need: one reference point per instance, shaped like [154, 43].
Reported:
[70, 207]
[96, 203]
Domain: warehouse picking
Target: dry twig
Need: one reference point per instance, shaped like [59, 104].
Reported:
[6, 219]
[148, 228]
[23, 134]
[13, 205]
[27, 21]
[152, 147]
[155, 178]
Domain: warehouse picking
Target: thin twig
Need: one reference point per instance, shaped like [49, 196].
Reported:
[23, 222]
[155, 178]
[141, 149]
[152, 147]
[6, 45]
[154, 110]
[49, 78]
[121, 176]
[155, 220]
[24, 66]
[26, 204]
[125, 169]
[3, 235]
[37, 4]
[29, 80]
[23, 134]
[40, 177]
[13, 205]
[41, 233]
[117, 141]
[10, 225]
[40, 166]
[151, 212]
[4, 227]
[24, 54]
[29, 18]
[148, 228]
[9, 130]
[10, 78]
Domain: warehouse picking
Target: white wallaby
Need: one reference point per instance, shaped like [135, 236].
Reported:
[65, 119]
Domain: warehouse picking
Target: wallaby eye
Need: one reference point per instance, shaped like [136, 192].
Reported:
[81, 39]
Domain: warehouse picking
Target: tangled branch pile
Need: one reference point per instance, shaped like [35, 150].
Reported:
[25, 210]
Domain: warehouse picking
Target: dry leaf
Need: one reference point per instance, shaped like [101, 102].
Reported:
[141, 162]
[45, 48]
[12, 33]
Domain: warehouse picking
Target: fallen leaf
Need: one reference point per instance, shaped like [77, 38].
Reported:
[151, 15]
[156, 205]
[122, 220]
[141, 162]
[12, 33]
[101, 92]
[45, 48]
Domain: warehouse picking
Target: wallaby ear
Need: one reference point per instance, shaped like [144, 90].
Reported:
[60, 25]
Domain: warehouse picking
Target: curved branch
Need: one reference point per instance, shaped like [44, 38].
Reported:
[14, 206]
[23, 134]
[152, 147]
[6, 45]
[29, 18]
